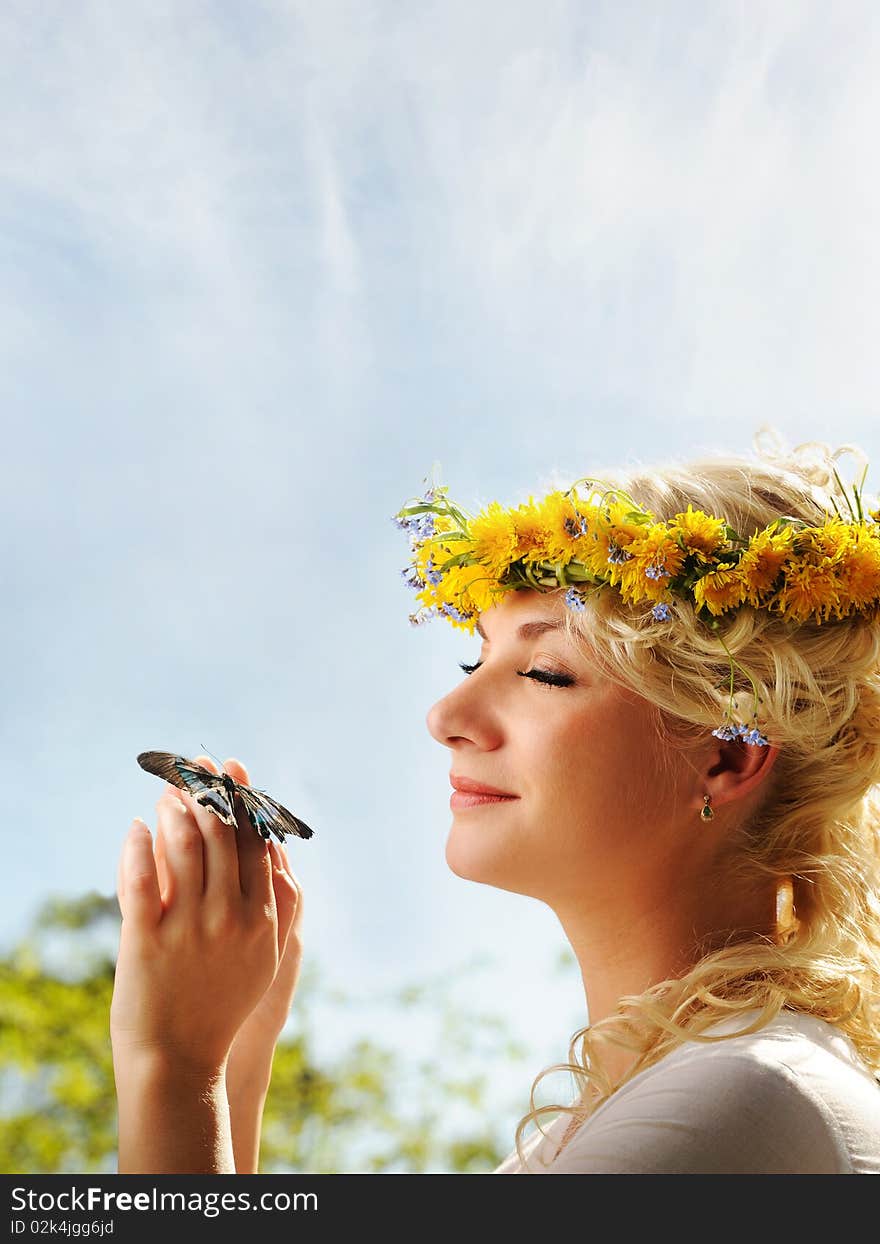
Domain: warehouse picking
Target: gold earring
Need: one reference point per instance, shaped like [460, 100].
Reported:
[706, 812]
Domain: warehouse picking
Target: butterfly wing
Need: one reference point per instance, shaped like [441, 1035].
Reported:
[268, 816]
[206, 787]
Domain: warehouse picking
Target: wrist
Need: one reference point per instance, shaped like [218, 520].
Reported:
[173, 1115]
[152, 1064]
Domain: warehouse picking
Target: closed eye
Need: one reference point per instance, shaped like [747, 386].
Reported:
[539, 675]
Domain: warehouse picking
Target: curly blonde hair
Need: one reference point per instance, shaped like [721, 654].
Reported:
[817, 829]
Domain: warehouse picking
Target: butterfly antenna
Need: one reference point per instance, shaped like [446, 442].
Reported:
[214, 758]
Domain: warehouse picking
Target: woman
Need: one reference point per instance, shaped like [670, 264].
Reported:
[719, 887]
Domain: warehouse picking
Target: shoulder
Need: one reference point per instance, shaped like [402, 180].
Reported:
[792, 1097]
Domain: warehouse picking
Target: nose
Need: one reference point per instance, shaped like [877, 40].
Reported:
[464, 714]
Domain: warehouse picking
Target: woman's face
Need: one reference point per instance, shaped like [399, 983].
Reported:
[592, 808]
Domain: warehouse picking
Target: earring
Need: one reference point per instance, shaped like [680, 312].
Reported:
[706, 812]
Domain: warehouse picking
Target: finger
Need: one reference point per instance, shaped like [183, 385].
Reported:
[120, 877]
[286, 896]
[162, 863]
[254, 860]
[285, 863]
[237, 771]
[233, 767]
[139, 899]
[221, 882]
[184, 853]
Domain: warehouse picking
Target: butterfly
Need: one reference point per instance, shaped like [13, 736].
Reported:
[217, 791]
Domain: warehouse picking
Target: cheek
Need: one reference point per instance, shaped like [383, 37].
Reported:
[590, 740]
[600, 761]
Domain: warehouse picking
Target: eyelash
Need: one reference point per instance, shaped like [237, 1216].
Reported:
[542, 676]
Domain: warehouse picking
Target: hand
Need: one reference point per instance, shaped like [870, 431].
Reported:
[201, 938]
[255, 1041]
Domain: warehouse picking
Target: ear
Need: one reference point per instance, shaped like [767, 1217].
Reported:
[734, 770]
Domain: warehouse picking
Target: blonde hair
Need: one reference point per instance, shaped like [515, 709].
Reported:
[816, 832]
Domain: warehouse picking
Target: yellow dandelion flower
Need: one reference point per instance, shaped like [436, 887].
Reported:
[762, 561]
[430, 556]
[561, 529]
[831, 540]
[701, 533]
[592, 519]
[859, 571]
[605, 549]
[454, 581]
[469, 588]
[532, 535]
[720, 589]
[479, 590]
[810, 589]
[617, 514]
[655, 558]
[495, 539]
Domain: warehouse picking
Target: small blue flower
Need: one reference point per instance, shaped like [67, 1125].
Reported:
[434, 575]
[411, 577]
[617, 554]
[452, 612]
[661, 612]
[575, 600]
[731, 731]
[419, 526]
[423, 615]
[657, 571]
[425, 525]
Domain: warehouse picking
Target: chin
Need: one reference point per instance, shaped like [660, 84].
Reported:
[475, 858]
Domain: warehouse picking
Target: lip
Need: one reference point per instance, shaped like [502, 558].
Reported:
[471, 794]
[470, 787]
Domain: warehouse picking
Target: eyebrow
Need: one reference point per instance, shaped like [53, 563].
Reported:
[528, 630]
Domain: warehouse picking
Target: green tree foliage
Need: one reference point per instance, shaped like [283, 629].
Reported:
[366, 1109]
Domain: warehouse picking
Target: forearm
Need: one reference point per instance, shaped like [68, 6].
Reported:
[247, 1084]
[172, 1120]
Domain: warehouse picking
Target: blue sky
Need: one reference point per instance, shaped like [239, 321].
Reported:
[259, 275]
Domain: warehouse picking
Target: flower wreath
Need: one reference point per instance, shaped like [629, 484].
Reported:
[461, 565]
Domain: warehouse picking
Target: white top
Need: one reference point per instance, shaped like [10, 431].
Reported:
[793, 1098]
